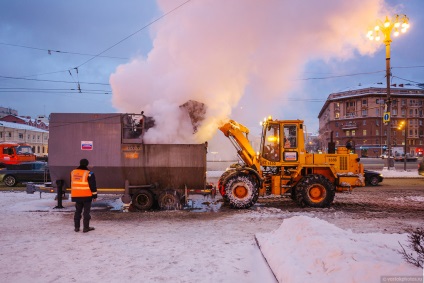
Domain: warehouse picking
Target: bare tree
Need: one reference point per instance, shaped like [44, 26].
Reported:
[416, 244]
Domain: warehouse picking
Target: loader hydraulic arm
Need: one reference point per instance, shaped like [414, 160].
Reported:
[237, 133]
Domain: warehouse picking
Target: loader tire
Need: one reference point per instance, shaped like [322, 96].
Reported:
[169, 200]
[242, 191]
[143, 200]
[221, 184]
[315, 191]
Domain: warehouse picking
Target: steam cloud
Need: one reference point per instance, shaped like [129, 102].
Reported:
[212, 51]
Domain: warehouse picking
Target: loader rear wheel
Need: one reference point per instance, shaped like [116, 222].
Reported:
[169, 200]
[242, 191]
[143, 200]
[315, 191]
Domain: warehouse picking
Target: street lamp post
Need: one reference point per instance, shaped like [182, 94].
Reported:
[386, 29]
[403, 126]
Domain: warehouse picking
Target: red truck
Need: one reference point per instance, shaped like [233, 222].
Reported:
[14, 153]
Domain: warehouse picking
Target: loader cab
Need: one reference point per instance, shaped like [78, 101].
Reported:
[281, 141]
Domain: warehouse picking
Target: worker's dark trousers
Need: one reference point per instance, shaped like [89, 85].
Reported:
[79, 208]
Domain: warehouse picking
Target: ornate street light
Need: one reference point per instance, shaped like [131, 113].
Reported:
[398, 24]
[403, 126]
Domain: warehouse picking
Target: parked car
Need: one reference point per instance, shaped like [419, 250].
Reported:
[385, 156]
[409, 158]
[373, 178]
[421, 168]
[36, 171]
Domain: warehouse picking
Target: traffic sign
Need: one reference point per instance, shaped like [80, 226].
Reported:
[386, 117]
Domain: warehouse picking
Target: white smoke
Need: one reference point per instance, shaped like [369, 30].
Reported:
[212, 51]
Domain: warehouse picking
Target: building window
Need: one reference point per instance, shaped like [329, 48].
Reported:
[364, 122]
[1, 134]
[337, 134]
[403, 112]
[9, 134]
[337, 116]
[364, 112]
[394, 112]
[364, 101]
[377, 112]
[377, 132]
[353, 133]
[347, 133]
[403, 102]
[364, 132]
[377, 122]
[337, 124]
[21, 136]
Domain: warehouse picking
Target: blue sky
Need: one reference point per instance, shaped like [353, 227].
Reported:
[35, 81]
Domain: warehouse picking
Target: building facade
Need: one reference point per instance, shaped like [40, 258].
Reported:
[22, 133]
[40, 122]
[356, 116]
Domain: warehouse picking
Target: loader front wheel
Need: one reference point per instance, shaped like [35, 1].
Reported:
[221, 184]
[242, 191]
[315, 191]
[143, 200]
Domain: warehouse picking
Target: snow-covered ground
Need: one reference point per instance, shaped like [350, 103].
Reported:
[38, 244]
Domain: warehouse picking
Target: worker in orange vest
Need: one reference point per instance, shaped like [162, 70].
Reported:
[83, 192]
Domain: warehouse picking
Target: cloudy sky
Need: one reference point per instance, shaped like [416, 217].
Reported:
[245, 59]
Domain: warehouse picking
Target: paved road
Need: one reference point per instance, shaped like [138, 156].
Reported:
[378, 164]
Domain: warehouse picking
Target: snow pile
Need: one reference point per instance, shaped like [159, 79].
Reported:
[307, 249]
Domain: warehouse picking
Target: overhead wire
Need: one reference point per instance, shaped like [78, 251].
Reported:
[49, 51]
[132, 34]
[53, 81]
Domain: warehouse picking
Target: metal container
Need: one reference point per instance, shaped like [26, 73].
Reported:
[116, 159]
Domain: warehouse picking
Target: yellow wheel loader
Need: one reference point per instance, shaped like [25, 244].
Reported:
[282, 165]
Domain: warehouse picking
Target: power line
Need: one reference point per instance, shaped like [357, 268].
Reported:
[149, 24]
[340, 76]
[406, 80]
[53, 81]
[50, 51]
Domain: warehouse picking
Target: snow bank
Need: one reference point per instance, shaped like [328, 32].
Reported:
[305, 249]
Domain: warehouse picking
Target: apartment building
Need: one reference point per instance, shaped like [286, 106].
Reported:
[356, 116]
[22, 133]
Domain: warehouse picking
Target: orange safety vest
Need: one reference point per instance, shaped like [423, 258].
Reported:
[79, 184]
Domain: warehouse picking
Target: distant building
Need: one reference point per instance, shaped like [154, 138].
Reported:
[22, 133]
[356, 115]
[312, 142]
[40, 122]
[7, 111]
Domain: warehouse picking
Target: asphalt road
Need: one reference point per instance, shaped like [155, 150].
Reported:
[378, 164]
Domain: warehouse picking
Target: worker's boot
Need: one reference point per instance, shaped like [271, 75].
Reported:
[77, 226]
[87, 227]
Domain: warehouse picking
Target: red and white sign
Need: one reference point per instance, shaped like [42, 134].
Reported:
[86, 145]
